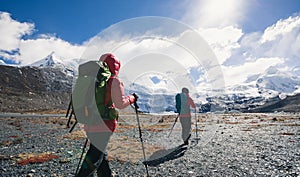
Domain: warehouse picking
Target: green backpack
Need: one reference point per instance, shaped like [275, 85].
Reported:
[89, 94]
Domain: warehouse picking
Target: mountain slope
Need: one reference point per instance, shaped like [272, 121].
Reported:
[274, 82]
[289, 104]
[31, 88]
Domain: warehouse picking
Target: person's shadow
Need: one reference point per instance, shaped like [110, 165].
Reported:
[165, 155]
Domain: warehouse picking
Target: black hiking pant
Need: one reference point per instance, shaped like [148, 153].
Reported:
[96, 158]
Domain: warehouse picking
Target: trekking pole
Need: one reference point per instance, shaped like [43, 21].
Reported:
[73, 125]
[196, 126]
[140, 131]
[69, 107]
[83, 149]
[173, 125]
[67, 114]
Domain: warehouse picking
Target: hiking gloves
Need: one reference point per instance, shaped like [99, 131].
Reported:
[135, 101]
[133, 98]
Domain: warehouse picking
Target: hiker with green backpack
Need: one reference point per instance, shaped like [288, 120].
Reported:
[100, 116]
[183, 104]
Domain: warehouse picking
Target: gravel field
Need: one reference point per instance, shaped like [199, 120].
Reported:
[228, 145]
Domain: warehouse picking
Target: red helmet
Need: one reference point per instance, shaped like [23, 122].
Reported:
[112, 62]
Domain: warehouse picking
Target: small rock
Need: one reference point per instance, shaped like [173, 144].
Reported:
[30, 175]
[65, 160]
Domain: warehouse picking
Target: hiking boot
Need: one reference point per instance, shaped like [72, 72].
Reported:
[186, 142]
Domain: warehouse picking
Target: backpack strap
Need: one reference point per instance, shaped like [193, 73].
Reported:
[108, 101]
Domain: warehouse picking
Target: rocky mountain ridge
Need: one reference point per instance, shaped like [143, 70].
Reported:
[33, 89]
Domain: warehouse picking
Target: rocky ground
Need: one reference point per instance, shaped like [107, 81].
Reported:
[228, 145]
[31, 102]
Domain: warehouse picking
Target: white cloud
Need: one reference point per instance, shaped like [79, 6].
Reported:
[12, 31]
[235, 75]
[279, 40]
[278, 46]
[283, 39]
[26, 51]
[35, 49]
[281, 28]
[241, 55]
[215, 13]
[222, 40]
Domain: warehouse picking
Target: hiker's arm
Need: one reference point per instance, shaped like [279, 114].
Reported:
[118, 97]
[191, 102]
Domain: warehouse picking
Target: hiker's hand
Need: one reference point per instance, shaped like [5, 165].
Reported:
[131, 99]
[135, 101]
[135, 97]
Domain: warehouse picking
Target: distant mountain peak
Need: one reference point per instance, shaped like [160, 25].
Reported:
[272, 70]
[49, 61]
[54, 61]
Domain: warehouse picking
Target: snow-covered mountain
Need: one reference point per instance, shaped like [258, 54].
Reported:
[156, 93]
[261, 88]
[274, 82]
[155, 102]
[271, 83]
[54, 61]
[49, 61]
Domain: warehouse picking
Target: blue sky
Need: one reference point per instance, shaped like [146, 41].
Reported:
[247, 36]
[77, 20]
